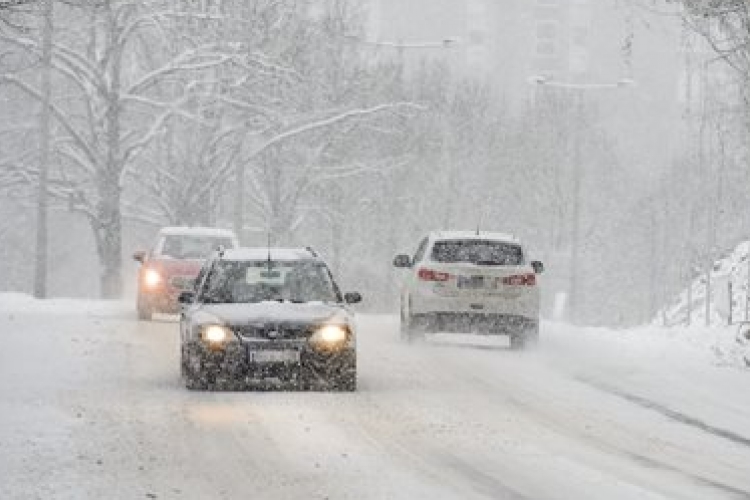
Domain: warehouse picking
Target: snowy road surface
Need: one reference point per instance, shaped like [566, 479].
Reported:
[91, 407]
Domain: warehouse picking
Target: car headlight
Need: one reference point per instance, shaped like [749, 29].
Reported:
[216, 335]
[331, 335]
[151, 278]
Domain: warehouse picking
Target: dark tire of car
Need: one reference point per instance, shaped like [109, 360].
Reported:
[193, 380]
[144, 310]
[408, 333]
[347, 383]
[525, 339]
[517, 341]
[532, 336]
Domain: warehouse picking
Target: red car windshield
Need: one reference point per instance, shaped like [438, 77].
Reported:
[192, 247]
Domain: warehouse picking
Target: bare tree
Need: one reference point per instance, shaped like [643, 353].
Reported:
[102, 137]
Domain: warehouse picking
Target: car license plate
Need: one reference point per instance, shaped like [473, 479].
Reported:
[471, 282]
[269, 356]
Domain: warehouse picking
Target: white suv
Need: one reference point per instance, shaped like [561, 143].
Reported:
[470, 282]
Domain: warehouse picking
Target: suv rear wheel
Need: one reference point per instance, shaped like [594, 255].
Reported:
[517, 341]
[408, 332]
[525, 338]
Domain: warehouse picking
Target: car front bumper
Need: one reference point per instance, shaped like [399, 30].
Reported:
[232, 367]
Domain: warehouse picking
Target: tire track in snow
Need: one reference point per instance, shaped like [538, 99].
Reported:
[654, 464]
[669, 413]
[683, 419]
[531, 408]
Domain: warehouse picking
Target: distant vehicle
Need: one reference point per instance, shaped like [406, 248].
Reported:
[263, 318]
[172, 264]
[470, 282]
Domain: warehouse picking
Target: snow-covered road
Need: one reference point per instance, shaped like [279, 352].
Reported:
[91, 407]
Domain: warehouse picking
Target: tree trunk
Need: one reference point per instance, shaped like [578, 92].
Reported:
[109, 234]
[40, 267]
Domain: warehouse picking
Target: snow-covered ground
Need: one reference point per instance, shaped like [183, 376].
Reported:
[91, 407]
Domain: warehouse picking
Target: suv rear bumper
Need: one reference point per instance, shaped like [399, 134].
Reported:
[488, 324]
[525, 305]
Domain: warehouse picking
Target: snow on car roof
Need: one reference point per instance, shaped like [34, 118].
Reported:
[261, 253]
[473, 235]
[197, 231]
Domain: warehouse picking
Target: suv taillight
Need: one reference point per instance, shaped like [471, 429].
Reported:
[521, 280]
[431, 275]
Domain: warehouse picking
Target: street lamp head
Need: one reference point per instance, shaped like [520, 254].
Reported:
[538, 79]
[451, 41]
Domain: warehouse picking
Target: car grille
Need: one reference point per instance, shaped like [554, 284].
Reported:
[275, 332]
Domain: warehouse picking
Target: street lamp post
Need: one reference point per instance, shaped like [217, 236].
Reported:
[579, 89]
[401, 47]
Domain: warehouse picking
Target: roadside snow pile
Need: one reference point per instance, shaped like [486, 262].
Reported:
[685, 318]
[730, 271]
[717, 346]
[11, 302]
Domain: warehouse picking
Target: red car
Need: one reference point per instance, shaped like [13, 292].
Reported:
[171, 266]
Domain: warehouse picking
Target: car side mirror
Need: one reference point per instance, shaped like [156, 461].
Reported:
[352, 298]
[139, 256]
[402, 261]
[537, 266]
[186, 297]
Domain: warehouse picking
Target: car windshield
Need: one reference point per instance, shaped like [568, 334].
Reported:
[192, 247]
[258, 281]
[481, 252]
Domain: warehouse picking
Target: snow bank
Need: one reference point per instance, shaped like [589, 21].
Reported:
[718, 346]
[11, 303]
[731, 269]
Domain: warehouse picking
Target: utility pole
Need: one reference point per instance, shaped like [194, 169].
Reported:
[575, 237]
[239, 199]
[577, 172]
[447, 45]
[40, 260]
[654, 266]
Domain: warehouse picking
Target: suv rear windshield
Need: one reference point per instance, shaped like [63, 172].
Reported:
[480, 252]
[236, 282]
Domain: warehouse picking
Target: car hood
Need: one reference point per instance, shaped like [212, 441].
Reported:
[271, 312]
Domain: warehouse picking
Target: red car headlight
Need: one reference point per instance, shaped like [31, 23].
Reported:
[151, 278]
